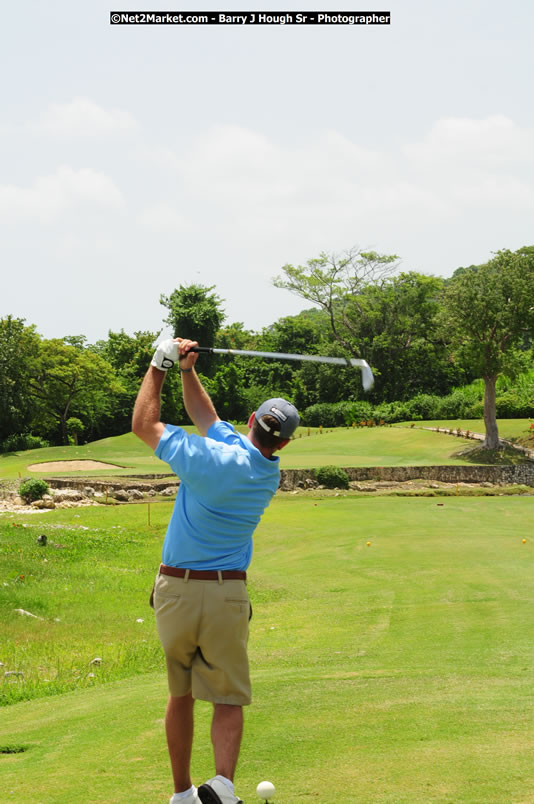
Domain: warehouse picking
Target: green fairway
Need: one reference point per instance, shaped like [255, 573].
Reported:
[126, 453]
[399, 672]
[378, 446]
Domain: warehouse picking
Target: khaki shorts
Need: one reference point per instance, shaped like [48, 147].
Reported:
[203, 627]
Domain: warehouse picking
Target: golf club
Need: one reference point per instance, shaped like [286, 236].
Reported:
[367, 374]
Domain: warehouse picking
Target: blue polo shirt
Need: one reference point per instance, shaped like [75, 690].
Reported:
[225, 486]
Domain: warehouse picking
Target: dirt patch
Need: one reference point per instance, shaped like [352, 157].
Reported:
[70, 466]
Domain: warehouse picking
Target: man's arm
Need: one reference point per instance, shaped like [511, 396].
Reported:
[146, 422]
[197, 402]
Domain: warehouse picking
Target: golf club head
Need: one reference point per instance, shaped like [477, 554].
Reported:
[368, 380]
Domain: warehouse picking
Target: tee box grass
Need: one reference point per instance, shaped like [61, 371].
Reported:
[395, 671]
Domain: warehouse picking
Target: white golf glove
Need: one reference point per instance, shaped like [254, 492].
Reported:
[166, 355]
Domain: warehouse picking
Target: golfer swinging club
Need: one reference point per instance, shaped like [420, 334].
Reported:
[200, 596]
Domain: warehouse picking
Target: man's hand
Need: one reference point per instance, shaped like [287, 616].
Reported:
[165, 355]
[170, 351]
[186, 357]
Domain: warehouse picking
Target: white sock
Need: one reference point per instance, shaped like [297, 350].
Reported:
[227, 782]
[178, 796]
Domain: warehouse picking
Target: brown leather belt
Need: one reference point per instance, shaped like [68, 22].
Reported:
[203, 575]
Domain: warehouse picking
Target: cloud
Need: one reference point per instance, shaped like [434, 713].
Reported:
[157, 157]
[233, 163]
[53, 195]
[253, 187]
[164, 218]
[486, 163]
[331, 179]
[82, 117]
[241, 168]
[494, 141]
[505, 192]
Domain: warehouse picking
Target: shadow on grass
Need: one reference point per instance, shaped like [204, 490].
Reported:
[505, 456]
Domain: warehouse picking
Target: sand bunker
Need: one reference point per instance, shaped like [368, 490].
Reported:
[70, 466]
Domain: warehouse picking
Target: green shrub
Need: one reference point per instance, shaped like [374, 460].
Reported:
[357, 412]
[510, 405]
[337, 414]
[34, 489]
[465, 402]
[391, 412]
[22, 441]
[476, 411]
[327, 414]
[455, 406]
[332, 477]
[424, 406]
[474, 392]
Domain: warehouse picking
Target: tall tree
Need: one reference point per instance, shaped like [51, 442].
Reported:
[19, 346]
[395, 323]
[69, 379]
[194, 312]
[333, 282]
[487, 311]
[129, 355]
[235, 336]
[389, 321]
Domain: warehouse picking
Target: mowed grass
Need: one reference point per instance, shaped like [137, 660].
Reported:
[127, 454]
[508, 428]
[377, 446]
[361, 446]
[396, 672]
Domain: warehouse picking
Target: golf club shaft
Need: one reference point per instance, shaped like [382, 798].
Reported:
[341, 361]
[367, 375]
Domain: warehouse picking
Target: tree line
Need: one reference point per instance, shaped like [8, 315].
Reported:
[422, 335]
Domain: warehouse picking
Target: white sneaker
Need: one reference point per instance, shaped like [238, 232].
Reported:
[192, 798]
[216, 792]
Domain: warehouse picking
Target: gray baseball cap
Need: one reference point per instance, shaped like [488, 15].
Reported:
[284, 412]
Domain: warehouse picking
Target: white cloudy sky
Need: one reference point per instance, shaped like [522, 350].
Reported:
[135, 159]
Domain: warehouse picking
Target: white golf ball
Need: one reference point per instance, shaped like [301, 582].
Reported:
[265, 790]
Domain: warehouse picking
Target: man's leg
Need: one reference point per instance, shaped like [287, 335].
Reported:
[226, 733]
[179, 728]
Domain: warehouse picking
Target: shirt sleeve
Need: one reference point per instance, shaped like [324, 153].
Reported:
[225, 432]
[170, 439]
[185, 453]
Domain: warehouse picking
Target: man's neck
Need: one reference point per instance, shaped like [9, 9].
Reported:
[267, 453]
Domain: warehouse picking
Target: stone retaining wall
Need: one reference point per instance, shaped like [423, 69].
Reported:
[102, 484]
[520, 474]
